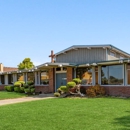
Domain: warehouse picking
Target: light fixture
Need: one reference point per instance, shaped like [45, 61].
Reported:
[46, 64]
[94, 64]
[120, 61]
[60, 65]
[87, 64]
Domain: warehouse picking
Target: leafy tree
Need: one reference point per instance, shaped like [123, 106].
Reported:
[26, 64]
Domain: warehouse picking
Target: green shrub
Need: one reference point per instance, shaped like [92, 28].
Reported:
[32, 90]
[17, 84]
[30, 83]
[10, 88]
[63, 88]
[27, 90]
[17, 89]
[71, 84]
[22, 82]
[22, 89]
[77, 80]
[25, 85]
[5, 88]
[56, 94]
[31, 86]
[59, 90]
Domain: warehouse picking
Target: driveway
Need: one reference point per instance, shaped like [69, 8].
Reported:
[26, 99]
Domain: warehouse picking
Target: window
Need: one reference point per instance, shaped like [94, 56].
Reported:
[20, 77]
[30, 76]
[128, 74]
[112, 75]
[2, 79]
[10, 79]
[112, 53]
[44, 78]
[85, 74]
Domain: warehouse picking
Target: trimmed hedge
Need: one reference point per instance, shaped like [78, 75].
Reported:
[30, 82]
[17, 89]
[71, 84]
[56, 94]
[77, 80]
[9, 88]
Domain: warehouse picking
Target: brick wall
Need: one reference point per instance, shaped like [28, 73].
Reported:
[2, 87]
[42, 89]
[7, 69]
[69, 74]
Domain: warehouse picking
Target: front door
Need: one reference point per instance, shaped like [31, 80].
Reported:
[61, 80]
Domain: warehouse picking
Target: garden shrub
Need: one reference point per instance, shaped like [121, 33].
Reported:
[63, 88]
[17, 84]
[77, 80]
[5, 88]
[83, 90]
[17, 89]
[96, 90]
[32, 90]
[71, 84]
[10, 88]
[56, 94]
[32, 86]
[27, 90]
[22, 82]
[25, 85]
[22, 89]
[59, 90]
[30, 83]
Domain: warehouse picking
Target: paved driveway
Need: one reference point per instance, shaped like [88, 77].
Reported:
[26, 99]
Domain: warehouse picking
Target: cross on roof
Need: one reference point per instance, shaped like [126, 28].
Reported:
[52, 56]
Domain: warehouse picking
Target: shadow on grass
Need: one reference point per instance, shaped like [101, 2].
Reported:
[123, 121]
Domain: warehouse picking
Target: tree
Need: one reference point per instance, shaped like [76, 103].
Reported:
[26, 64]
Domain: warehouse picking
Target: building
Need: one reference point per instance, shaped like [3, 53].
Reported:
[93, 64]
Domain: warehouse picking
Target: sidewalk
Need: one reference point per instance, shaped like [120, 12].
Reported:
[26, 99]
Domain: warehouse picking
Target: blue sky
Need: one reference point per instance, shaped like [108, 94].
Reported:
[32, 28]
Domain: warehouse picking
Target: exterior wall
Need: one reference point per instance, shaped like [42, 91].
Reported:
[2, 87]
[118, 91]
[69, 74]
[42, 89]
[82, 55]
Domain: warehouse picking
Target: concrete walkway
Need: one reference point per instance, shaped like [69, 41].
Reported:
[26, 99]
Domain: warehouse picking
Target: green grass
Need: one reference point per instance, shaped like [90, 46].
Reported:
[67, 114]
[10, 95]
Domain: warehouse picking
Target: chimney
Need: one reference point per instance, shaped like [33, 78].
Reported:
[1, 67]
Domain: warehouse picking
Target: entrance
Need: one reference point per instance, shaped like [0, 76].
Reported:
[61, 80]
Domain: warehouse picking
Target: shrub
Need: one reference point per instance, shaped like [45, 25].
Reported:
[77, 80]
[32, 90]
[94, 91]
[63, 88]
[27, 90]
[59, 90]
[83, 90]
[71, 84]
[22, 89]
[22, 82]
[10, 88]
[17, 89]
[56, 94]
[25, 85]
[5, 88]
[31, 86]
[17, 84]
[30, 82]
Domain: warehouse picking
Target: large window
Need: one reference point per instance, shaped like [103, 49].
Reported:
[128, 74]
[2, 79]
[85, 74]
[10, 79]
[112, 75]
[30, 76]
[44, 78]
[20, 77]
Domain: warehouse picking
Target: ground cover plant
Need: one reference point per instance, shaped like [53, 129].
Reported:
[10, 95]
[67, 114]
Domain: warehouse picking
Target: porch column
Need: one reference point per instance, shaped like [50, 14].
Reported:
[99, 75]
[14, 78]
[125, 74]
[93, 75]
[6, 79]
[35, 74]
[51, 80]
[39, 80]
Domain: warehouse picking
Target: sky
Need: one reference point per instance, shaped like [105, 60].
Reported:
[32, 28]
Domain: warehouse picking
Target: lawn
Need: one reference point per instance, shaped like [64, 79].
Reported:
[67, 114]
[10, 95]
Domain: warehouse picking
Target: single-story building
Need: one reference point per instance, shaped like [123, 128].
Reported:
[105, 65]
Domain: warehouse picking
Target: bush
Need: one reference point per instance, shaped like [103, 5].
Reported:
[56, 94]
[30, 82]
[17, 89]
[32, 90]
[59, 90]
[17, 84]
[94, 91]
[77, 80]
[63, 88]
[25, 85]
[10, 88]
[31, 86]
[83, 90]
[71, 84]
[22, 82]
[5, 88]
[27, 90]
[22, 89]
